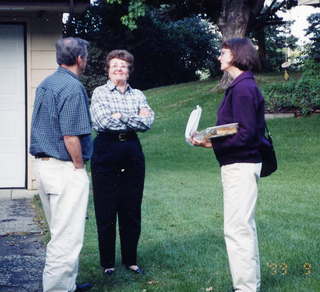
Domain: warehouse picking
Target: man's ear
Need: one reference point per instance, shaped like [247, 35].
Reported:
[79, 59]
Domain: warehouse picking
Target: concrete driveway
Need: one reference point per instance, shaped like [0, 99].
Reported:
[22, 252]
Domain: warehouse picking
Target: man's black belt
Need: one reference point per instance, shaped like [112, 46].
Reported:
[42, 156]
[117, 136]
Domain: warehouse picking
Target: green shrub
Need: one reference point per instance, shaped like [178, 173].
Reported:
[278, 96]
[307, 95]
[311, 69]
[302, 96]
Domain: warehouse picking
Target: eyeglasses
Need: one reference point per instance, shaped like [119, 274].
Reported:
[122, 67]
[224, 52]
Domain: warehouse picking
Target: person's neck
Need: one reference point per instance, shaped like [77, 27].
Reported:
[121, 85]
[234, 72]
[73, 68]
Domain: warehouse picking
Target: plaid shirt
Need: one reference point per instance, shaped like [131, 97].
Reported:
[60, 109]
[107, 100]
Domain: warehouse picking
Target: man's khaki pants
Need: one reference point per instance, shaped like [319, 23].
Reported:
[240, 193]
[64, 194]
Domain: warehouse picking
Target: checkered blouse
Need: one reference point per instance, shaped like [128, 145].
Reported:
[107, 100]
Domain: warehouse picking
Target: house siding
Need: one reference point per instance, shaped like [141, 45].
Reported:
[43, 35]
[42, 31]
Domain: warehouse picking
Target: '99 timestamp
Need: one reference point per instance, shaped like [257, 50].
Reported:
[283, 268]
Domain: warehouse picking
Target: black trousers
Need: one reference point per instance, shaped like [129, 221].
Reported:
[118, 171]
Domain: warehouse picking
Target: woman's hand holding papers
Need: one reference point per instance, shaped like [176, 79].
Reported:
[201, 143]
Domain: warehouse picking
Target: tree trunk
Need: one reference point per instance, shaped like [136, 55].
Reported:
[234, 18]
[233, 22]
[261, 39]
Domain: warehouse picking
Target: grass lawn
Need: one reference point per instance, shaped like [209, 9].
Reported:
[181, 246]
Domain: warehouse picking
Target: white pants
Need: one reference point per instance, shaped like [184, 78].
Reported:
[239, 181]
[64, 194]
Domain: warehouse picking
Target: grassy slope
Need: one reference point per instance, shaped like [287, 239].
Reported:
[181, 246]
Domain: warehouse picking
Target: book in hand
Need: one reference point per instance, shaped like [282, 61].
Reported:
[215, 132]
[208, 133]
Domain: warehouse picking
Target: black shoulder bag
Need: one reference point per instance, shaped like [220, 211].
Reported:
[268, 155]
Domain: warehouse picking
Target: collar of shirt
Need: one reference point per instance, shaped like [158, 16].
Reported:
[110, 85]
[66, 71]
[242, 76]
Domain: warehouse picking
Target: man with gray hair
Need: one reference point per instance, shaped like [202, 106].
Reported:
[61, 143]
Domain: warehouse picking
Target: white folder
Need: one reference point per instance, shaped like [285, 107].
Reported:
[193, 123]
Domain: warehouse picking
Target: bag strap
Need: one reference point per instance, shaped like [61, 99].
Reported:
[266, 127]
[267, 131]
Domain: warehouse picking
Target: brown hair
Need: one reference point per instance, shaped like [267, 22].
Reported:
[122, 55]
[245, 55]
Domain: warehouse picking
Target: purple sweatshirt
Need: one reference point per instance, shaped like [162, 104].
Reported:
[243, 104]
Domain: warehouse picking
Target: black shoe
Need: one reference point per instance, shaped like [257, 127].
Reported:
[108, 272]
[83, 287]
[136, 271]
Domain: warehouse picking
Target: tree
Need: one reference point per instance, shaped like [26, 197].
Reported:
[166, 52]
[313, 31]
[234, 18]
[274, 41]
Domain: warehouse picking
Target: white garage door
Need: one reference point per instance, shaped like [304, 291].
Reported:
[12, 107]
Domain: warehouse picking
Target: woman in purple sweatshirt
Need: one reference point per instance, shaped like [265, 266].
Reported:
[240, 161]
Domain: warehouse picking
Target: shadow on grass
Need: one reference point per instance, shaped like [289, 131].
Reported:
[187, 263]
